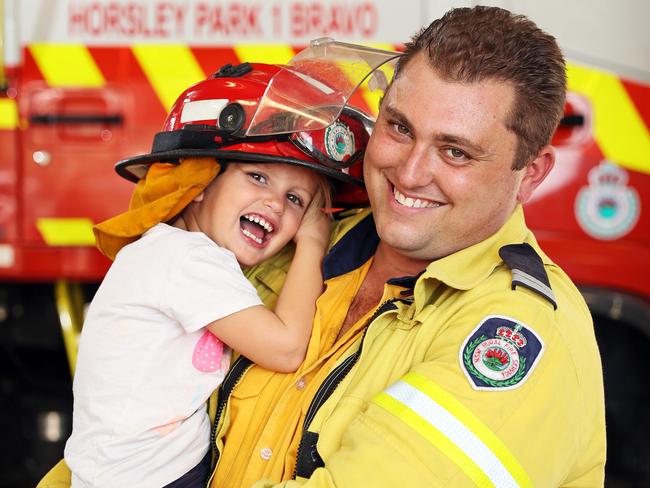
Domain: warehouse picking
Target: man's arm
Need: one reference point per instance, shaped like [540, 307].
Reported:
[432, 428]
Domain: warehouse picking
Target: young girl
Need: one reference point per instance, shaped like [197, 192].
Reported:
[151, 350]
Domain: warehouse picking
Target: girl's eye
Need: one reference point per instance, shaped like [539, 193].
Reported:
[257, 177]
[295, 199]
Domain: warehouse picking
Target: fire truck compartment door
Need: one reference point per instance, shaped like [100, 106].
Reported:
[71, 139]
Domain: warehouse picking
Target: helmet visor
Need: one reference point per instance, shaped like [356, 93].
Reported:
[309, 93]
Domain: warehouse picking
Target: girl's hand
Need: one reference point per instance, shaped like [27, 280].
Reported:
[314, 228]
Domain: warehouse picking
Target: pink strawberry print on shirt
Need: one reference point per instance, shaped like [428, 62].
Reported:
[165, 429]
[207, 353]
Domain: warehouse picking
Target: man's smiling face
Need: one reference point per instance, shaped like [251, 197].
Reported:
[438, 168]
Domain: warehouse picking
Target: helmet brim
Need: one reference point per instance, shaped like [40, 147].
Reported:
[135, 168]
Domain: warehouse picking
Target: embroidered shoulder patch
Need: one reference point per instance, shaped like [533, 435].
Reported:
[500, 353]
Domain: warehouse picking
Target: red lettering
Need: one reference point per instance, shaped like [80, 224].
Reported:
[142, 27]
[93, 19]
[297, 20]
[200, 17]
[315, 17]
[476, 356]
[115, 18]
[233, 18]
[253, 18]
[367, 19]
[180, 17]
[133, 27]
[75, 19]
[348, 22]
[217, 24]
[162, 19]
[112, 17]
[320, 19]
[277, 20]
[511, 370]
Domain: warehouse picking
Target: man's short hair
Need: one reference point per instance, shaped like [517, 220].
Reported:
[474, 44]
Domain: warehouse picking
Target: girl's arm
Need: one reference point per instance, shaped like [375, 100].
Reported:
[278, 340]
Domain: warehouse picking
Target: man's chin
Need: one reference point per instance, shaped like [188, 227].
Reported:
[400, 243]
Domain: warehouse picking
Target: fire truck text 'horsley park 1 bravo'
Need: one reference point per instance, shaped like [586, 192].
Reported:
[84, 84]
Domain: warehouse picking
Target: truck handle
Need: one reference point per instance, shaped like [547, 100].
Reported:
[52, 119]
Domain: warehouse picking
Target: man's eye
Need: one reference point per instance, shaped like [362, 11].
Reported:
[401, 129]
[457, 155]
[295, 199]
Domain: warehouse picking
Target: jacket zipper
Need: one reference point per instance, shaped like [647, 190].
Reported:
[338, 374]
[237, 370]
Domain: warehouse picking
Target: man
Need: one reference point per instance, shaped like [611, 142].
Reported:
[447, 349]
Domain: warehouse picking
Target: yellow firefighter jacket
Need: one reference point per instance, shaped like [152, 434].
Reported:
[482, 371]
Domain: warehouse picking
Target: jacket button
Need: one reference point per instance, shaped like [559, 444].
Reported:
[266, 453]
[300, 384]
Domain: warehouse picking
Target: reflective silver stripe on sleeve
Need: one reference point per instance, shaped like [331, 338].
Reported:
[532, 282]
[454, 430]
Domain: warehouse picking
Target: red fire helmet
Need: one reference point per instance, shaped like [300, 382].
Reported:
[296, 113]
[214, 117]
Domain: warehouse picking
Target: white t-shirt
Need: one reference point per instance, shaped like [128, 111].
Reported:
[146, 364]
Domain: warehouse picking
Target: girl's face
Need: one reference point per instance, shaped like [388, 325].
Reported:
[253, 209]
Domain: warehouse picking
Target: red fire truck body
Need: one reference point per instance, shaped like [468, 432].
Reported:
[56, 170]
[56, 176]
[70, 110]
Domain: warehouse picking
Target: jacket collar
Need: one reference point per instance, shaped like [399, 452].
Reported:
[354, 247]
[466, 268]
[462, 270]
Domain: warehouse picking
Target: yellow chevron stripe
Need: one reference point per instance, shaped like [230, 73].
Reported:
[618, 127]
[264, 53]
[66, 232]
[170, 68]
[67, 65]
[8, 114]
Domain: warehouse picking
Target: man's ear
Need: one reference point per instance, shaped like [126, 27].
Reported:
[199, 197]
[535, 172]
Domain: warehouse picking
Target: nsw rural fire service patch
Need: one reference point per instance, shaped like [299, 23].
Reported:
[500, 353]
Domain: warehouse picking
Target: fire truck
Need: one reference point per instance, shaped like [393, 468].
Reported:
[84, 84]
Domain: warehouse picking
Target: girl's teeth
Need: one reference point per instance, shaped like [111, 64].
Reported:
[251, 236]
[260, 220]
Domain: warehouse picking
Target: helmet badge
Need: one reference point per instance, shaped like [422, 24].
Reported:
[339, 141]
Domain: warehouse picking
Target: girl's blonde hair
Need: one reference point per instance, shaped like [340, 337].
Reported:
[323, 196]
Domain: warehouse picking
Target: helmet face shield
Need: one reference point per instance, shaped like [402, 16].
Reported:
[313, 88]
[294, 114]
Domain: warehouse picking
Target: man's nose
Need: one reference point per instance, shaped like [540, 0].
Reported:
[417, 169]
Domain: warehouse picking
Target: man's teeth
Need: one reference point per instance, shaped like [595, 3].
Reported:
[251, 236]
[413, 203]
[260, 220]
